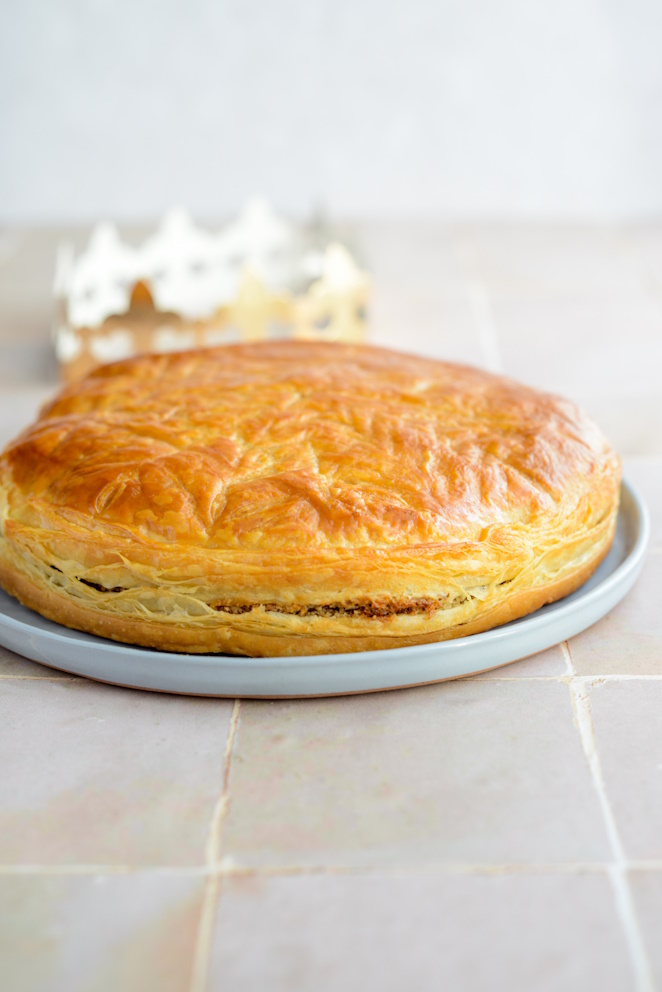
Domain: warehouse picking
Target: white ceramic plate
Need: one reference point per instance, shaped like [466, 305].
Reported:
[31, 635]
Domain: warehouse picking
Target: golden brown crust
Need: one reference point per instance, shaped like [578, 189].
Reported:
[299, 498]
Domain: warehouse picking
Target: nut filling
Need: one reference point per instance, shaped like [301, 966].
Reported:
[367, 609]
[383, 608]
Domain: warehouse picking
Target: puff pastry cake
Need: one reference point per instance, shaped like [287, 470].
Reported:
[299, 498]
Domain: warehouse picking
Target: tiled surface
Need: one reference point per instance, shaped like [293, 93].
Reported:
[326, 932]
[582, 346]
[467, 772]
[631, 419]
[18, 407]
[627, 717]
[545, 663]
[628, 640]
[644, 243]
[647, 889]
[533, 260]
[103, 776]
[14, 666]
[98, 932]
[447, 325]
[498, 833]
[646, 475]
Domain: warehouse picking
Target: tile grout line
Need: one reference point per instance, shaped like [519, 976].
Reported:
[481, 310]
[228, 869]
[189, 871]
[617, 870]
[426, 868]
[565, 679]
[479, 302]
[202, 953]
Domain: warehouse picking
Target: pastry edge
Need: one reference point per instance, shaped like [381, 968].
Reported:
[226, 639]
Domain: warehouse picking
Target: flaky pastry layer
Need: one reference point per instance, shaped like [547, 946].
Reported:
[298, 498]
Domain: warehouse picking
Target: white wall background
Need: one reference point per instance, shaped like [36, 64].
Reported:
[457, 108]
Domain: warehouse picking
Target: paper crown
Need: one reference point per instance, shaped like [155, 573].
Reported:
[183, 287]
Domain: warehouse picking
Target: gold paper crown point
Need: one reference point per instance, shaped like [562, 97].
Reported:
[141, 297]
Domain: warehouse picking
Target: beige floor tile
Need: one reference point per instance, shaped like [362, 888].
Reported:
[415, 256]
[469, 771]
[18, 409]
[98, 775]
[26, 284]
[644, 243]
[425, 324]
[545, 663]
[581, 345]
[14, 666]
[133, 933]
[521, 933]
[632, 421]
[647, 894]
[626, 718]
[550, 260]
[646, 475]
[420, 301]
[628, 641]
[28, 364]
